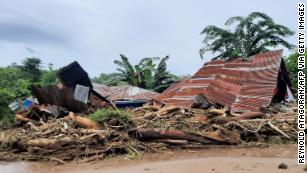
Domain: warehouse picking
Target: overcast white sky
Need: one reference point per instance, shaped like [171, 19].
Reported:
[95, 32]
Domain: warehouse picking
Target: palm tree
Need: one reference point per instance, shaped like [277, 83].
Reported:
[127, 71]
[162, 78]
[253, 34]
[146, 74]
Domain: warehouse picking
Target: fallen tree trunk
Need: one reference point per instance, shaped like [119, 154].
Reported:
[170, 141]
[146, 108]
[20, 117]
[82, 121]
[50, 143]
[219, 112]
[250, 115]
[153, 134]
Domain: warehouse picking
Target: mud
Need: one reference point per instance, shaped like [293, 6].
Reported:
[215, 160]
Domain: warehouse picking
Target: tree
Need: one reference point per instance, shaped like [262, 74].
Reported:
[32, 69]
[253, 34]
[12, 86]
[15, 82]
[128, 73]
[162, 78]
[49, 77]
[146, 74]
[6, 115]
[291, 64]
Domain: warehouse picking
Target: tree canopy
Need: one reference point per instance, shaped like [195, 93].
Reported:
[31, 68]
[250, 35]
[16, 81]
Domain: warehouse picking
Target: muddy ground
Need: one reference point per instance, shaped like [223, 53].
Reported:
[215, 160]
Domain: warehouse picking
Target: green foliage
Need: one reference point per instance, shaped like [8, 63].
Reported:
[127, 71]
[6, 116]
[162, 78]
[16, 81]
[31, 68]
[146, 74]
[253, 34]
[291, 64]
[49, 77]
[103, 115]
[11, 86]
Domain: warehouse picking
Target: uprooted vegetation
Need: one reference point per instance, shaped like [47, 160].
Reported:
[113, 117]
[109, 132]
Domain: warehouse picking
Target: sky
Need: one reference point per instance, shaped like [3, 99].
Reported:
[95, 32]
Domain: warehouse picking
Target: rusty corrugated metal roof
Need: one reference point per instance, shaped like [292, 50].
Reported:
[126, 92]
[241, 85]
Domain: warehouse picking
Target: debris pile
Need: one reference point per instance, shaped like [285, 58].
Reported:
[76, 137]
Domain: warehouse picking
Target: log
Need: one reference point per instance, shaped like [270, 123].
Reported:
[93, 131]
[99, 137]
[58, 161]
[278, 130]
[170, 141]
[153, 134]
[250, 115]
[161, 112]
[223, 136]
[50, 143]
[145, 108]
[20, 117]
[82, 121]
[220, 112]
[167, 110]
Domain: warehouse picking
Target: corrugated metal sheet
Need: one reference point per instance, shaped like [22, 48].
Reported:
[61, 97]
[127, 92]
[242, 85]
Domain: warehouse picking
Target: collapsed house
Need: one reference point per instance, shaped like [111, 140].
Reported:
[75, 92]
[127, 95]
[241, 84]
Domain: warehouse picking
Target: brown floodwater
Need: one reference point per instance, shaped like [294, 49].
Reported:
[213, 160]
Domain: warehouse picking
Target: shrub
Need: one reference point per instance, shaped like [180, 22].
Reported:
[6, 116]
[103, 115]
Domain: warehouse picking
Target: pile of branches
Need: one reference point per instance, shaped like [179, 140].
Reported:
[150, 129]
[217, 126]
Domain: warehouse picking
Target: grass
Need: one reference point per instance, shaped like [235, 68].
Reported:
[103, 115]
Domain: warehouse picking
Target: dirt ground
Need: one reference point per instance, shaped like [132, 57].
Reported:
[215, 160]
